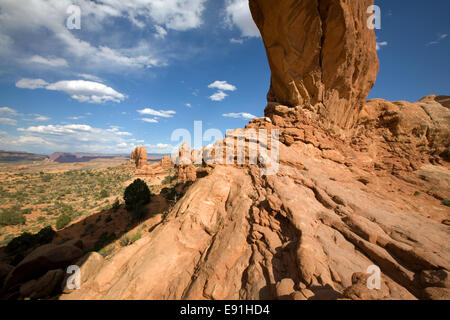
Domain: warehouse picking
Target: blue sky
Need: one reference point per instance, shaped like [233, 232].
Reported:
[135, 72]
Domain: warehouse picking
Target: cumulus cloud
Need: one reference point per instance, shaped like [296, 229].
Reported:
[239, 115]
[8, 121]
[157, 113]
[69, 137]
[150, 120]
[237, 13]
[51, 62]
[7, 111]
[188, 105]
[222, 85]
[19, 22]
[218, 96]
[80, 90]
[26, 83]
[87, 91]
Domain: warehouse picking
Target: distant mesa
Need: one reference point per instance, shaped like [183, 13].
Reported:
[15, 156]
[69, 157]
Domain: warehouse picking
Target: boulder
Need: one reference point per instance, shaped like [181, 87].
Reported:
[42, 259]
[285, 288]
[44, 287]
[435, 278]
[360, 291]
[5, 269]
[89, 265]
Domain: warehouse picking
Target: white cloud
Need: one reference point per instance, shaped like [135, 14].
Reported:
[69, 137]
[150, 120]
[238, 41]
[238, 14]
[80, 90]
[8, 121]
[160, 148]
[188, 105]
[41, 118]
[52, 61]
[222, 85]
[381, 44]
[441, 37]
[7, 111]
[26, 83]
[19, 22]
[75, 117]
[116, 130]
[242, 115]
[87, 91]
[157, 113]
[160, 32]
[89, 77]
[218, 96]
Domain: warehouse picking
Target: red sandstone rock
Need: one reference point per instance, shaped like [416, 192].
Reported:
[139, 155]
[329, 66]
[340, 201]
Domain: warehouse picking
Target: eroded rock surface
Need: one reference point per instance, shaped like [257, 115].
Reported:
[139, 156]
[337, 203]
[301, 233]
[321, 53]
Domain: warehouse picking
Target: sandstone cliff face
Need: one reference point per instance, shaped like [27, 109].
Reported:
[321, 53]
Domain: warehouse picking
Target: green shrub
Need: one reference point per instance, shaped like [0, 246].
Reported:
[446, 202]
[23, 242]
[136, 195]
[127, 240]
[417, 193]
[62, 221]
[46, 177]
[116, 205]
[12, 217]
[104, 194]
[135, 237]
[27, 211]
[104, 239]
[27, 240]
[169, 194]
[46, 235]
[139, 211]
[167, 180]
[106, 251]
